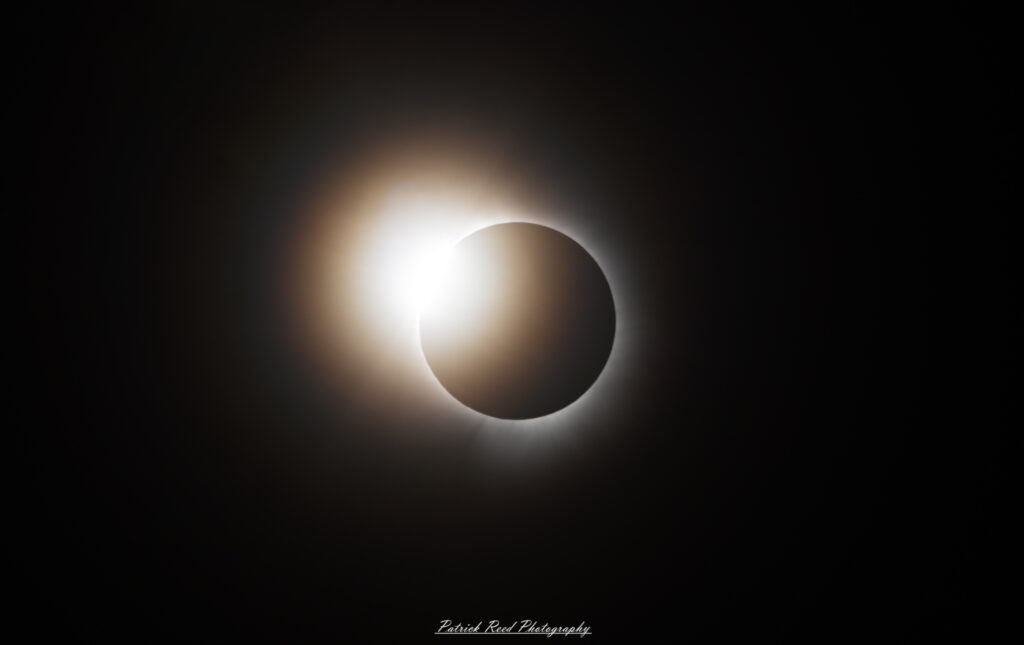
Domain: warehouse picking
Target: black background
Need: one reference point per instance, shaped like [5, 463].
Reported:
[784, 465]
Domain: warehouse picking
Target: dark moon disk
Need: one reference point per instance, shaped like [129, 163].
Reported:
[526, 326]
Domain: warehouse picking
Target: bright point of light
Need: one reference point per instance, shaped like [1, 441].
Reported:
[410, 258]
[418, 275]
[387, 253]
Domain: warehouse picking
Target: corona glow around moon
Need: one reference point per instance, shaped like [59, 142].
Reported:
[373, 244]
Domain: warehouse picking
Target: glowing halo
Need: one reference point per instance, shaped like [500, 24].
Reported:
[371, 242]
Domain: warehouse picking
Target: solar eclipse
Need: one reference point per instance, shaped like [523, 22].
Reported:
[442, 280]
[519, 323]
[349, 320]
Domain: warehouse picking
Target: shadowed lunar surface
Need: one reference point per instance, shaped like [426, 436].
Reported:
[523, 325]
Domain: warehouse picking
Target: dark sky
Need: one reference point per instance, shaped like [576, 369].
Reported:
[778, 470]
